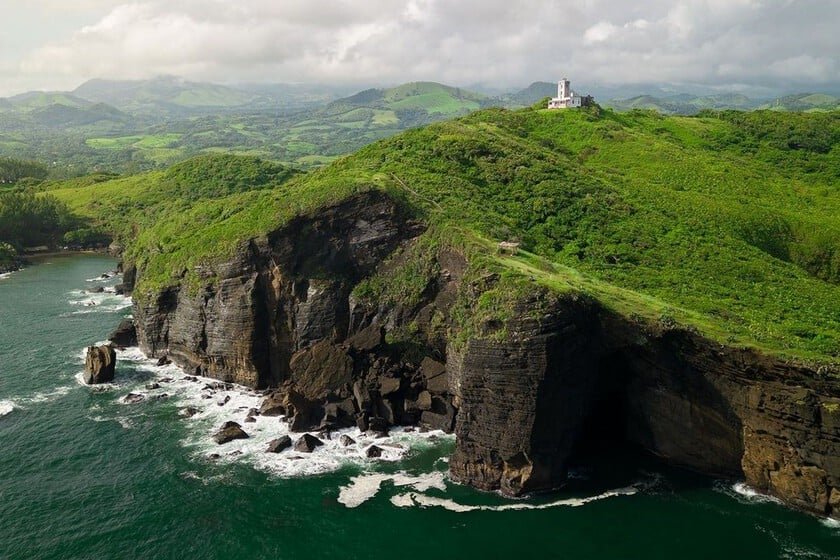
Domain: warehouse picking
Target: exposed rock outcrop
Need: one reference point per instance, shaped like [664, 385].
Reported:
[125, 335]
[279, 444]
[307, 443]
[527, 401]
[100, 362]
[229, 432]
[281, 314]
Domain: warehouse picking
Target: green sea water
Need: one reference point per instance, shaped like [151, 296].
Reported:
[84, 474]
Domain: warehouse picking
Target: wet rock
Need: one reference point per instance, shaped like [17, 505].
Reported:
[279, 444]
[441, 416]
[346, 440]
[338, 415]
[307, 443]
[188, 412]
[99, 364]
[125, 335]
[229, 431]
[133, 398]
[249, 420]
[273, 405]
[164, 360]
[373, 451]
[97, 290]
[378, 424]
[224, 401]
[152, 386]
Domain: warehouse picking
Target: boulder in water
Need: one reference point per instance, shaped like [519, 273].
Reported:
[99, 364]
[307, 443]
[279, 444]
[229, 432]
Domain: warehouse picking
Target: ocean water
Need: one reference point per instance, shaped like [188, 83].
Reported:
[84, 474]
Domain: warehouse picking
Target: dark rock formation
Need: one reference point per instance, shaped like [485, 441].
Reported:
[526, 402]
[373, 451]
[281, 314]
[100, 362]
[125, 335]
[229, 432]
[346, 440]
[307, 443]
[279, 444]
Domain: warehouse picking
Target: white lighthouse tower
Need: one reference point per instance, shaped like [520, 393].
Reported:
[566, 98]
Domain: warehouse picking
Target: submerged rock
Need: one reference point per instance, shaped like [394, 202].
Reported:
[133, 398]
[229, 432]
[99, 364]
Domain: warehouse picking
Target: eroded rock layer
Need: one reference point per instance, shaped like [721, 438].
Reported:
[520, 397]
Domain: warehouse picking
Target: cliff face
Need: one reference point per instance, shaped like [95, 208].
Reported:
[682, 397]
[281, 315]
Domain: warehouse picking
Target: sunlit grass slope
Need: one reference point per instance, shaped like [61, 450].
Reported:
[727, 222]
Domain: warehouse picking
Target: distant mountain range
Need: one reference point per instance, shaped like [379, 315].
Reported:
[133, 125]
[687, 104]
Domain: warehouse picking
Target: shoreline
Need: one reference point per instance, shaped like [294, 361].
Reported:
[24, 259]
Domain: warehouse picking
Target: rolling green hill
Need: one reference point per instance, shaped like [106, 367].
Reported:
[683, 104]
[728, 223]
[804, 102]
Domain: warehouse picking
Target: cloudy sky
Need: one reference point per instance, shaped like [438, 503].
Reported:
[58, 44]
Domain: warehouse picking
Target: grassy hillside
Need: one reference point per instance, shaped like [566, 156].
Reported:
[728, 222]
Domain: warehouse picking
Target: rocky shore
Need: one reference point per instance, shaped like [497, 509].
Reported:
[281, 315]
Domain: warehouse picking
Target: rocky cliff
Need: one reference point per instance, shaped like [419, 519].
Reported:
[520, 397]
[580, 372]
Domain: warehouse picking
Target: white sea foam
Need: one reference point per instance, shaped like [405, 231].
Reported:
[831, 523]
[5, 275]
[46, 396]
[217, 403]
[366, 486]
[412, 499]
[88, 302]
[6, 407]
[749, 494]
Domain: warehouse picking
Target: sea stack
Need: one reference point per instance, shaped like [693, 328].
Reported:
[99, 364]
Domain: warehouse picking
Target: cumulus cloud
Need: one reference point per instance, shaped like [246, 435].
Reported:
[470, 41]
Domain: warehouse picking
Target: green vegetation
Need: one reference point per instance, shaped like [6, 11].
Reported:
[727, 223]
[13, 170]
[27, 220]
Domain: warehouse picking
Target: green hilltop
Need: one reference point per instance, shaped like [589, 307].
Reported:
[726, 222]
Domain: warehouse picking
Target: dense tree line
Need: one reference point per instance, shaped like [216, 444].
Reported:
[13, 170]
[27, 220]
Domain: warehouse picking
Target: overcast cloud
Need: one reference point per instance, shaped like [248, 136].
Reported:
[57, 44]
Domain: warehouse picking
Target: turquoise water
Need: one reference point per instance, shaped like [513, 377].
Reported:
[85, 475]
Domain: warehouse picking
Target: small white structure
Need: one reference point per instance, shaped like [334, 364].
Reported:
[566, 98]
